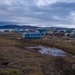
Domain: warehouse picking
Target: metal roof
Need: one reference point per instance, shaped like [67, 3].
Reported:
[31, 33]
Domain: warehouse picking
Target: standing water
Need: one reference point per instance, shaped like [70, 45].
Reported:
[51, 51]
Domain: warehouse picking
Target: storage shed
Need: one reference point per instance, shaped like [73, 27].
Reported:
[73, 33]
[31, 35]
[68, 34]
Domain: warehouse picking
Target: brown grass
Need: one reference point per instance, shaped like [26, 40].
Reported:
[14, 51]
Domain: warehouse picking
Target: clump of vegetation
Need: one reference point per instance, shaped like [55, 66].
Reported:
[10, 72]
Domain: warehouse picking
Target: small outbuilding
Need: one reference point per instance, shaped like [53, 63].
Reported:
[68, 34]
[31, 35]
[73, 33]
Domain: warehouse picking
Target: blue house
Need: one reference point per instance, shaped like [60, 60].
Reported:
[17, 30]
[31, 35]
[42, 30]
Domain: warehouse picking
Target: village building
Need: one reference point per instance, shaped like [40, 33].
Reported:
[60, 33]
[26, 30]
[31, 35]
[61, 30]
[17, 29]
[42, 31]
[73, 33]
[68, 34]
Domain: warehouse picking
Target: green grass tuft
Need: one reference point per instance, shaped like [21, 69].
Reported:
[10, 72]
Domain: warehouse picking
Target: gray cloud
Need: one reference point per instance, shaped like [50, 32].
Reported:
[46, 14]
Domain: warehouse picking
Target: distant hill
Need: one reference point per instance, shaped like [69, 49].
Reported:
[59, 28]
[33, 27]
[17, 26]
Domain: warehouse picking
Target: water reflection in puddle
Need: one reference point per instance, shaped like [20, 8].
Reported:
[51, 51]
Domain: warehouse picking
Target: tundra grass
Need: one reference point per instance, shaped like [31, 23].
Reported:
[20, 59]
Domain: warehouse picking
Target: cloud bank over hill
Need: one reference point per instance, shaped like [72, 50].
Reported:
[39, 12]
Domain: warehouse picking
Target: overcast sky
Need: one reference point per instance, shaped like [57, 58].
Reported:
[39, 12]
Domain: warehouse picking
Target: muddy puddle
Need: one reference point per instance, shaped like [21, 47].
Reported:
[46, 50]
